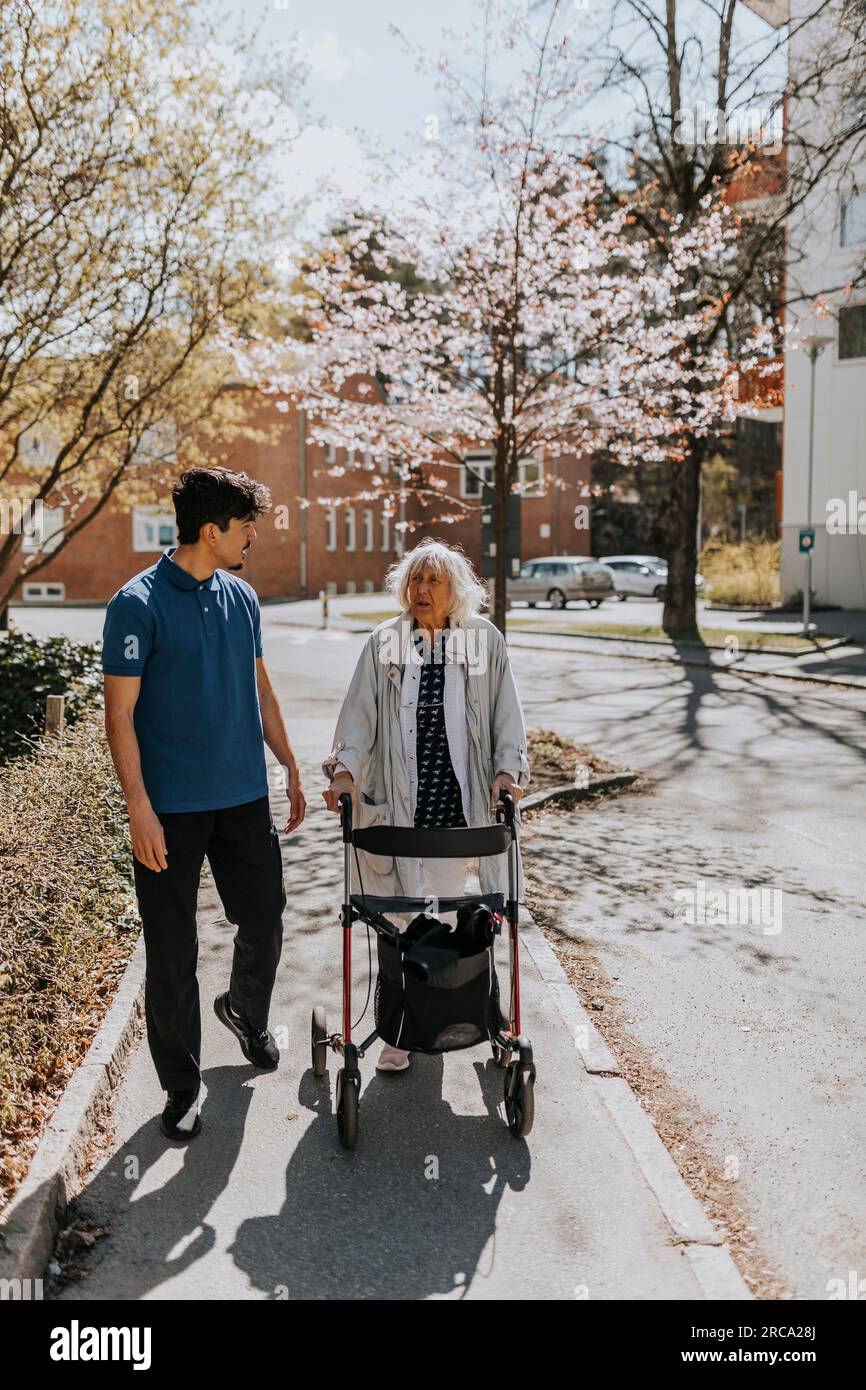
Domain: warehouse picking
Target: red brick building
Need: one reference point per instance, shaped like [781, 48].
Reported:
[304, 546]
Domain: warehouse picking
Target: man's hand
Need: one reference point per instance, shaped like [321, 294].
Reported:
[342, 783]
[297, 801]
[148, 837]
[503, 782]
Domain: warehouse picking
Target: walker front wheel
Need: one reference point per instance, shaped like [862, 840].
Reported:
[519, 1103]
[519, 1090]
[348, 1087]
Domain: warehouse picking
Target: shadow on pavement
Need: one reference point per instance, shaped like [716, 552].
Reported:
[164, 1231]
[377, 1223]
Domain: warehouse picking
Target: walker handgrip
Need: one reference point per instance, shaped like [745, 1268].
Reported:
[346, 816]
[507, 806]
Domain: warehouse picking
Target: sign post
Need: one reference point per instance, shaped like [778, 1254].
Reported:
[807, 544]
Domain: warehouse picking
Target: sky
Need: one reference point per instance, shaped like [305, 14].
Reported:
[362, 82]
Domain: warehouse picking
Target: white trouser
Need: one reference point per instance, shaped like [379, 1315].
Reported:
[439, 878]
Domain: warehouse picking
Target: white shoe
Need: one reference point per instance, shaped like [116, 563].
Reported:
[392, 1059]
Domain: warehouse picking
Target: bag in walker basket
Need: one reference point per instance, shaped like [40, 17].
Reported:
[437, 989]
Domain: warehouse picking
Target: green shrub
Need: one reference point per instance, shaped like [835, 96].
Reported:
[30, 669]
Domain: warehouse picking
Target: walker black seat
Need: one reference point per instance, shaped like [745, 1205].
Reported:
[495, 901]
[406, 842]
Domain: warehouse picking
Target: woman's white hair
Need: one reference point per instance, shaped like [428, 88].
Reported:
[468, 594]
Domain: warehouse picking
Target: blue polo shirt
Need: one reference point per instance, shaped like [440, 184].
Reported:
[194, 644]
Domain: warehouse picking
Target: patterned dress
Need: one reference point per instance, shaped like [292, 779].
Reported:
[439, 802]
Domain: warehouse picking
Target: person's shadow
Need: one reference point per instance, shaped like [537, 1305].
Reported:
[409, 1213]
[161, 1233]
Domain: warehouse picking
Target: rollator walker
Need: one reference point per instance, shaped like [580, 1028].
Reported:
[452, 1010]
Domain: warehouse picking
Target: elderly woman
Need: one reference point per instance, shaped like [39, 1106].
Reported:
[431, 729]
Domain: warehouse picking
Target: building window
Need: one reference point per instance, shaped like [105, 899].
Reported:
[368, 528]
[330, 453]
[385, 525]
[852, 331]
[384, 463]
[40, 446]
[482, 467]
[369, 462]
[368, 586]
[853, 226]
[152, 529]
[530, 475]
[351, 586]
[331, 528]
[350, 528]
[331, 587]
[157, 444]
[41, 537]
[44, 593]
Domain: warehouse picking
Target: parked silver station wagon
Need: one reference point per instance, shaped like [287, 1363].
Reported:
[645, 576]
[560, 579]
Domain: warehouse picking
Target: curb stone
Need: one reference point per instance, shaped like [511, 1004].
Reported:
[529, 630]
[568, 792]
[29, 1227]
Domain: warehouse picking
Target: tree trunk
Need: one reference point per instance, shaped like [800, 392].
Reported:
[680, 614]
[500, 532]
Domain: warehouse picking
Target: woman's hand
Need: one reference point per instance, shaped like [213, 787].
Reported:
[342, 783]
[502, 782]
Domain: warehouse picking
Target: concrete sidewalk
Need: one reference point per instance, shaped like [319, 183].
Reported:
[438, 1200]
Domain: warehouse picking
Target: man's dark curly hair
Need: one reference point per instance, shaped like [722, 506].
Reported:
[202, 495]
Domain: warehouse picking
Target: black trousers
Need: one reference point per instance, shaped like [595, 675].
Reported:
[243, 851]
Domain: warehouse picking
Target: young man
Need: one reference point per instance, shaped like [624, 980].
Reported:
[188, 709]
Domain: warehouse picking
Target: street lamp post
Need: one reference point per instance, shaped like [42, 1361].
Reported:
[814, 344]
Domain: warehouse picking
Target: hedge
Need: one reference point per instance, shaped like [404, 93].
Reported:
[32, 668]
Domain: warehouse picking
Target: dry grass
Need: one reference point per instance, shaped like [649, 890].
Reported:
[67, 925]
[554, 760]
[746, 572]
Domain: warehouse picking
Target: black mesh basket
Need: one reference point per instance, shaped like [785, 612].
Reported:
[459, 1007]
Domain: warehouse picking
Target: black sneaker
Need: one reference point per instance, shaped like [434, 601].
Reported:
[258, 1046]
[180, 1118]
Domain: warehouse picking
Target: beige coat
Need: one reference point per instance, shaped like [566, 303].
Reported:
[368, 741]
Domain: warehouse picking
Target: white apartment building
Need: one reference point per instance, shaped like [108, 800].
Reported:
[826, 246]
